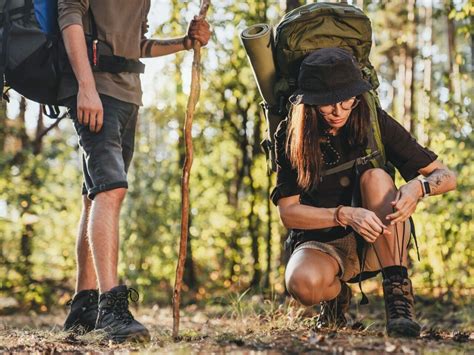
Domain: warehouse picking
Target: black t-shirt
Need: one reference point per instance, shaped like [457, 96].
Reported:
[401, 149]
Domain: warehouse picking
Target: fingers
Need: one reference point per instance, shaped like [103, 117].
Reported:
[371, 230]
[96, 121]
[369, 226]
[397, 198]
[400, 216]
[100, 121]
[86, 118]
[80, 114]
[199, 30]
[90, 112]
[93, 122]
[403, 209]
[380, 225]
[368, 234]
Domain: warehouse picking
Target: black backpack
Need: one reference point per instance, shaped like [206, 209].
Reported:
[32, 54]
[30, 41]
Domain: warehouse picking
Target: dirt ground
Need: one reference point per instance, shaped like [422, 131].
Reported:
[255, 326]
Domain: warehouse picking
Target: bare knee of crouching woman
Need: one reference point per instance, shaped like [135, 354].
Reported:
[310, 276]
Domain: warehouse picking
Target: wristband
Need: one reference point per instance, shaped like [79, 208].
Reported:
[425, 187]
[336, 217]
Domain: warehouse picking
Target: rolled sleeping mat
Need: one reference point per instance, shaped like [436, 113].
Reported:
[259, 43]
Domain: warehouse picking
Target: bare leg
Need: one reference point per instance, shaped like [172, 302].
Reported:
[310, 277]
[378, 190]
[86, 278]
[104, 236]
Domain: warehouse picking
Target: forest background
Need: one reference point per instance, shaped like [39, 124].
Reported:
[423, 53]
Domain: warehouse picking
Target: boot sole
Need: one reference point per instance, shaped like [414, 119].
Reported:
[136, 338]
[404, 330]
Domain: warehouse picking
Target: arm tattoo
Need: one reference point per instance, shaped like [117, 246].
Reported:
[146, 48]
[168, 42]
[148, 44]
[437, 179]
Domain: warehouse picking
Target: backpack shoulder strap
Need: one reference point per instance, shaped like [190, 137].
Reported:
[375, 136]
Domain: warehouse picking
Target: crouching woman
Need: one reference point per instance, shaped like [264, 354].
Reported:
[321, 169]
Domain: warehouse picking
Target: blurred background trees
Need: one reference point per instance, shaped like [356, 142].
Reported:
[423, 52]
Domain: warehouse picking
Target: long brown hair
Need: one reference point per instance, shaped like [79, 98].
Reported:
[304, 134]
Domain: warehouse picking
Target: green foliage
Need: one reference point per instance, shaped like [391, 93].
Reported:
[229, 185]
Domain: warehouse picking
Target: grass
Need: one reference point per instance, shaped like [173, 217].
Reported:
[247, 322]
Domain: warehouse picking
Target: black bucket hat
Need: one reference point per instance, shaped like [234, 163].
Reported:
[328, 76]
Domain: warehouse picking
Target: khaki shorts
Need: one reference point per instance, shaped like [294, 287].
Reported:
[344, 250]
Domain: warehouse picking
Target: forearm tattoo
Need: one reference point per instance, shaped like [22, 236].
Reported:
[148, 44]
[437, 180]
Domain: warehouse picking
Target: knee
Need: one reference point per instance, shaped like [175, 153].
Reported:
[114, 196]
[376, 177]
[306, 287]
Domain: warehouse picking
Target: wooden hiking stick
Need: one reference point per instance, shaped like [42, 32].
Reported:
[188, 161]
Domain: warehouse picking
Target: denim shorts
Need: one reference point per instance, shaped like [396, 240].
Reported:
[106, 155]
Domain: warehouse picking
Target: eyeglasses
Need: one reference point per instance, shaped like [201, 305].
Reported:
[346, 105]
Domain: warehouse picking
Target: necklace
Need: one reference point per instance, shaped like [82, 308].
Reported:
[330, 156]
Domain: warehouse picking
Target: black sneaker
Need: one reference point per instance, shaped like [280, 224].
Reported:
[83, 313]
[332, 312]
[399, 307]
[116, 319]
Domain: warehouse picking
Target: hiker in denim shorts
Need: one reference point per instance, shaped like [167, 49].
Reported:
[103, 104]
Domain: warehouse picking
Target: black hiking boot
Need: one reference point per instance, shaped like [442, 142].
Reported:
[399, 307]
[332, 312]
[116, 319]
[83, 313]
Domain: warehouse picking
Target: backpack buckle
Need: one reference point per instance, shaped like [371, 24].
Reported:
[365, 159]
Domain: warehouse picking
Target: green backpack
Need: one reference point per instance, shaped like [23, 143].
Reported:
[315, 26]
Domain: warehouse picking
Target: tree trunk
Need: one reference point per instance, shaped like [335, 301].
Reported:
[424, 109]
[242, 168]
[360, 4]
[267, 283]
[3, 125]
[38, 142]
[22, 122]
[409, 103]
[453, 80]
[253, 229]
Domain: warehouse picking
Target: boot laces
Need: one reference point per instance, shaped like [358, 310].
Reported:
[332, 311]
[399, 305]
[119, 304]
[92, 301]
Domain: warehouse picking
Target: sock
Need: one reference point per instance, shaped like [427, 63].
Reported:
[395, 270]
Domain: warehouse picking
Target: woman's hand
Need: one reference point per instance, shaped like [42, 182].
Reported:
[405, 202]
[364, 222]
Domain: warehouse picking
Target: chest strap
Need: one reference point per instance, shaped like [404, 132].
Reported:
[348, 165]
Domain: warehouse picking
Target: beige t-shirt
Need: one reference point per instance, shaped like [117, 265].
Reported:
[121, 24]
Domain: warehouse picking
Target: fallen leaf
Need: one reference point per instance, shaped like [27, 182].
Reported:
[389, 347]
